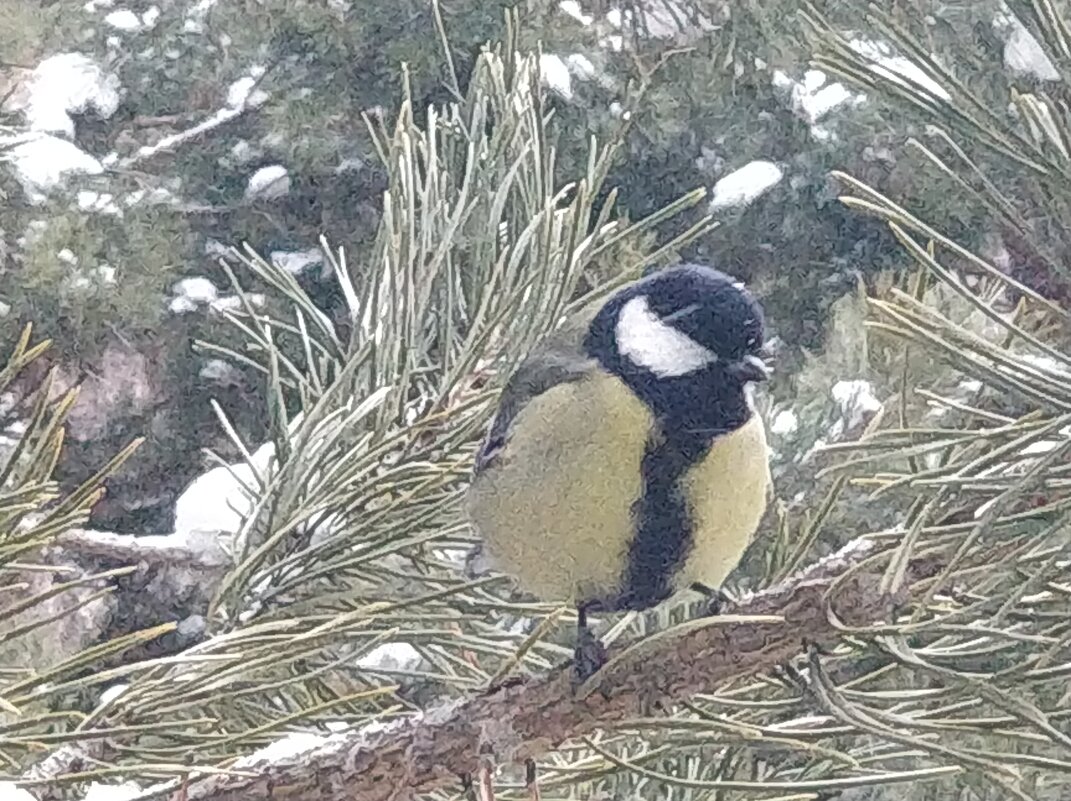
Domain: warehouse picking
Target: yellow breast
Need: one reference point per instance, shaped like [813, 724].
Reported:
[728, 491]
[555, 510]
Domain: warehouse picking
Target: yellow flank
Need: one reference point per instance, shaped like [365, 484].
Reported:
[728, 492]
[555, 510]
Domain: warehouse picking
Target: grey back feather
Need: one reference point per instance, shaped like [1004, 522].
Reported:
[559, 359]
[536, 375]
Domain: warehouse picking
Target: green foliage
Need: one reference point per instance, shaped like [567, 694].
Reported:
[92, 275]
[41, 662]
[24, 27]
[992, 139]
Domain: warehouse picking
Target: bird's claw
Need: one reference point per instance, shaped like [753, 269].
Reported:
[590, 656]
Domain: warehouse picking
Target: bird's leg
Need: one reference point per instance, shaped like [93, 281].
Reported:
[531, 780]
[467, 788]
[590, 654]
[483, 789]
[717, 599]
[486, 787]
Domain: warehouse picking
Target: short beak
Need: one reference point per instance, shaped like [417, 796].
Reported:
[750, 368]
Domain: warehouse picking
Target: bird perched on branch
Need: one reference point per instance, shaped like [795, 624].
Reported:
[625, 461]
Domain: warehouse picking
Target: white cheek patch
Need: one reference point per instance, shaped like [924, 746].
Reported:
[648, 342]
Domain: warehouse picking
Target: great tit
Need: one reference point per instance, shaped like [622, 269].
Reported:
[625, 461]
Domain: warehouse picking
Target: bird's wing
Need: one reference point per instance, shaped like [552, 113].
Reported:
[558, 359]
[551, 366]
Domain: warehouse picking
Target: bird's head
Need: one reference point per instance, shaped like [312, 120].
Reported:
[679, 322]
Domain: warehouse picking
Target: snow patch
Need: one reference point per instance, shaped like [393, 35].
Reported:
[896, 68]
[298, 261]
[293, 745]
[268, 183]
[615, 42]
[123, 19]
[1023, 53]
[43, 162]
[62, 85]
[743, 186]
[813, 98]
[572, 9]
[233, 303]
[856, 401]
[219, 500]
[669, 19]
[111, 693]
[390, 656]
[81, 280]
[197, 15]
[99, 203]
[191, 293]
[785, 423]
[555, 74]
[127, 21]
[580, 66]
[219, 371]
[112, 792]
[244, 93]
[9, 792]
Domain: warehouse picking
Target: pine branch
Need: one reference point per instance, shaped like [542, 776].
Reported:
[529, 717]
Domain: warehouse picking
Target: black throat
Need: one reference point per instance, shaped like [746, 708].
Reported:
[690, 411]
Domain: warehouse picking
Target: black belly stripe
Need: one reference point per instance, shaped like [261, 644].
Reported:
[662, 519]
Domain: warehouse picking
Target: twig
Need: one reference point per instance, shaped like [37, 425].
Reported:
[220, 117]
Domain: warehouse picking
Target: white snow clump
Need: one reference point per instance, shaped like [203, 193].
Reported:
[123, 19]
[66, 84]
[743, 186]
[1023, 53]
[856, 401]
[99, 202]
[390, 656]
[191, 293]
[785, 423]
[112, 792]
[293, 745]
[9, 792]
[572, 9]
[896, 68]
[127, 21]
[243, 92]
[42, 162]
[219, 500]
[555, 74]
[298, 261]
[196, 15]
[268, 183]
[813, 98]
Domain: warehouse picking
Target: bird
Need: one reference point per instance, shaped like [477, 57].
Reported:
[625, 461]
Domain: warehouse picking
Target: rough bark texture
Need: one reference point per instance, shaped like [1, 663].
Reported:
[529, 717]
